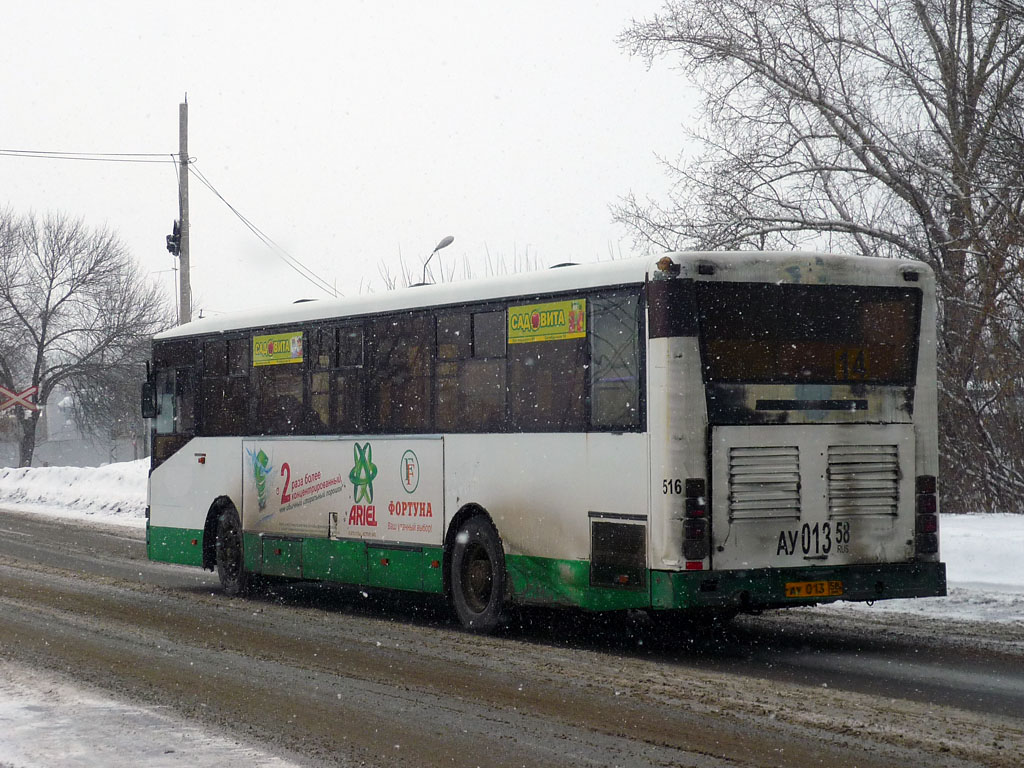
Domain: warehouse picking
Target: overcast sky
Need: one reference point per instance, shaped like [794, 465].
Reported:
[349, 132]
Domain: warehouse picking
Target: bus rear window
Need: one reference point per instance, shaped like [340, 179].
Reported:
[814, 334]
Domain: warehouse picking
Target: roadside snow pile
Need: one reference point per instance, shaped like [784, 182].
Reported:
[115, 493]
[987, 549]
[984, 572]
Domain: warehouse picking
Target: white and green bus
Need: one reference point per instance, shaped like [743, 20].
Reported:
[701, 431]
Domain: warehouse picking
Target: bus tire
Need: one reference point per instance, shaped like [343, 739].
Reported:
[230, 559]
[478, 576]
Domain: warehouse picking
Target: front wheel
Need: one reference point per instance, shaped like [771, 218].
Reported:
[229, 554]
[478, 576]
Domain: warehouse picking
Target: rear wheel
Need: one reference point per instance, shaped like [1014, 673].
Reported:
[229, 554]
[478, 576]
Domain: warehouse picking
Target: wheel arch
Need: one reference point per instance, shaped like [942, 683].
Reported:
[220, 504]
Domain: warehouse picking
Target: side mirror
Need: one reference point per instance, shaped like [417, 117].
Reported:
[149, 409]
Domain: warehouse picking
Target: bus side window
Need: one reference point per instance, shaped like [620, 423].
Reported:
[322, 357]
[454, 346]
[347, 413]
[485, 375]
[469, 383]
[547, 386]
[615, 362]
[400, 382]
[175, 402]
[225, 386]
[279, 399]
[165, 402]
[336, 379]
[185, 401]
[174, 361]
[238, 357]
[488, 334]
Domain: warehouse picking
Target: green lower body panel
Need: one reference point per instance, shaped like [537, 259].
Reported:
[252, 552]
[411, 569]
[282, 557]
[766, 587]
[175, 545]
[549, 581]
[349, 562]
[343, 561]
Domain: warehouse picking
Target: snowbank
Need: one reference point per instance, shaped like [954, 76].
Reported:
[115, 493]
[984, 572]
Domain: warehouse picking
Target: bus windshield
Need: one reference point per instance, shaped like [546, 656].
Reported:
[757, 333]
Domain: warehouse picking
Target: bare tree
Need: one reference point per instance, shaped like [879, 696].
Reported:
[881, 127]
[74, 312]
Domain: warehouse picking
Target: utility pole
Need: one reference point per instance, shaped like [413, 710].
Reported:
[185, 285]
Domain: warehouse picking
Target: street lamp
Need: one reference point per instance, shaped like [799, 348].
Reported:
[445, 242]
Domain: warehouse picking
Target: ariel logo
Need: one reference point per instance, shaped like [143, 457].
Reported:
[363, 472]
[260, 470]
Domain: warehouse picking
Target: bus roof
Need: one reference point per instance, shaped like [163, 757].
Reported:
[755, 265]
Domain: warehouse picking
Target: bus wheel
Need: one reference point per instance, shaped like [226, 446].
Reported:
[230, 562]
[478, 576]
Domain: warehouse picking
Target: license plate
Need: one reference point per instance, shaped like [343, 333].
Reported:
[814, 588]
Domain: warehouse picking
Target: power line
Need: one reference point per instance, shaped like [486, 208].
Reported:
[166, 157]
[90, 154]
[301, 269]
[106, 157]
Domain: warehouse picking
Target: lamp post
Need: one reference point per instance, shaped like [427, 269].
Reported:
[445, 242]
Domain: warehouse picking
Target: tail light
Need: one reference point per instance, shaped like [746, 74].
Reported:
[926, 527]
[696, 538]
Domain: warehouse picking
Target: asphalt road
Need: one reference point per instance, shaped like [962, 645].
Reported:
[340, 676]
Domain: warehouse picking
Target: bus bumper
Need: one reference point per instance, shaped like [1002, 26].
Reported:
[759, 588]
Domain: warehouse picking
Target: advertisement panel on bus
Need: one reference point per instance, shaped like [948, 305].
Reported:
[377, 489]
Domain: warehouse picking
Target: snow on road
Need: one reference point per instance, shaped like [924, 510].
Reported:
[48, 721]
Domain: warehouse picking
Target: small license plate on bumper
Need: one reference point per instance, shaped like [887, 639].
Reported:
[814, 588]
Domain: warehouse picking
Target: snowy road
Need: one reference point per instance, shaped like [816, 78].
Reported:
[329, 676]
[46, 720]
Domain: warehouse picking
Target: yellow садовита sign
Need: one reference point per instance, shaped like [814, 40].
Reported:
[547, 322]
[277, 348]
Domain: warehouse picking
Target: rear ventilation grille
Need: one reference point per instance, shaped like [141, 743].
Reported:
[863, 480]
[764, 482]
